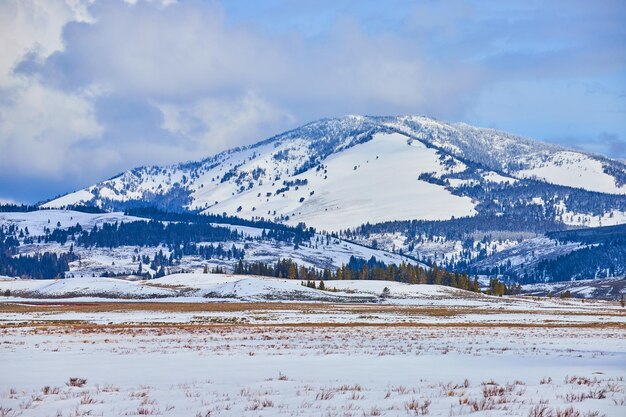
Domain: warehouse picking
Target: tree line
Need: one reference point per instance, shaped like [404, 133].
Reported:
[372, 269]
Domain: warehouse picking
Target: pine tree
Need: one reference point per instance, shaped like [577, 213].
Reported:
[292, 272]
[239, 270]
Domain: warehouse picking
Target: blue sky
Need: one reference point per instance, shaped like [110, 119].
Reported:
[91, 88]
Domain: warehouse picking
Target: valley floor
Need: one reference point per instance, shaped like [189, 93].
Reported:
[311, 359]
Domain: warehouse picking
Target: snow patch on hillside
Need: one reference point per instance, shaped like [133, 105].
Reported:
[36, 221]
[77, 197]
[612, 218]
[82, 287]
[573, 169]
[374, 182]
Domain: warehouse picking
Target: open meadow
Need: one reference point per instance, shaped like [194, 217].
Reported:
[515, 356]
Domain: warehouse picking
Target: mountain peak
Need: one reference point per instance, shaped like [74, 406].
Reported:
[340, 172]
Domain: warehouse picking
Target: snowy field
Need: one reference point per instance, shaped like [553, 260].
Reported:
[427, 350]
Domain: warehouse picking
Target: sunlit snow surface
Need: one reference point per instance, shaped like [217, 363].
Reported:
[36, 221]
[433, 349]
[392, 190]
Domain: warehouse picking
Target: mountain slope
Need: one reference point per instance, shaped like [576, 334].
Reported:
[517, 156]
[339, 173]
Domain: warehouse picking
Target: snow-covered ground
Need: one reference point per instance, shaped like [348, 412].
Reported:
[373, 302]
[310, 359]
[36, 221]
[220, 344]
[82, 287]
[609, 288]
[226, 286]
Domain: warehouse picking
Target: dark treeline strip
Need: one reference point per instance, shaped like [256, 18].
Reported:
[590, 235]
[160, 262]
[360, 269]
[24, 208]
[298, 233]
[460, 228]
[8, 241]
[45, 265]
[17, 208]
[153, 233]
[516, 198]
[86, 209]
[206, 252]
[602, 255]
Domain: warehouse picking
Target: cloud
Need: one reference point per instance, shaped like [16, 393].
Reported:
[188, 52]
[30, 26]
[90, 88]
[603, 144]
[212, 123]
[616, 146]
[37, 138]
[39, 125]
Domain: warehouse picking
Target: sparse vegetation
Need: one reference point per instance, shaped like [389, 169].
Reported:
[76, 382]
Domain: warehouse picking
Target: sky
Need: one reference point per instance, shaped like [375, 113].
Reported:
[90, 88]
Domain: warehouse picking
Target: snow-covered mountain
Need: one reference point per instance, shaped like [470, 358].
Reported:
[339, 173]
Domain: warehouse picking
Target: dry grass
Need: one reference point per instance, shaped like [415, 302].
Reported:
[86, 327]
[50, 306]
[211, 307]
[76, 382]
[43, 316]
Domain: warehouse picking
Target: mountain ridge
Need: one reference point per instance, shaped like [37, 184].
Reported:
[292, 176]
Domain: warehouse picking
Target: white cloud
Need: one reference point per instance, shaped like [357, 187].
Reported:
[212, 124]
[38, 124]
[34, 26]
[105, 85]
[39, 127]
[187, 51]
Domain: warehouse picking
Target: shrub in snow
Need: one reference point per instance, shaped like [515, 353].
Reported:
[76, 382]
